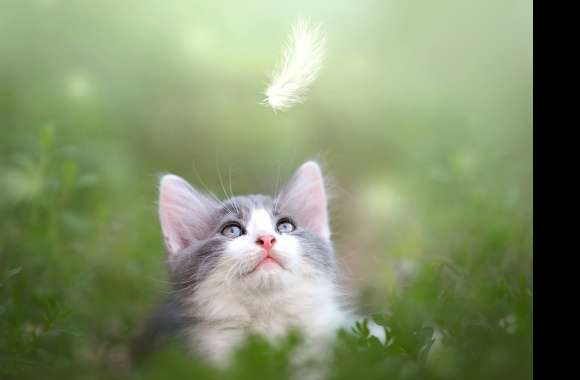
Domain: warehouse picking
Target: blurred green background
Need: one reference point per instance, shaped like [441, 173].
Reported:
[422, 118]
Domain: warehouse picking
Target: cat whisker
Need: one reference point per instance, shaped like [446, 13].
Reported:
[232, 273]
[234, 200]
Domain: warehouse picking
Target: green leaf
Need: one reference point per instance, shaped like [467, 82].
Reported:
[380, 319]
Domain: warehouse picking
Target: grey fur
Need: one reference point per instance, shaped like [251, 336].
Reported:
[197, 260]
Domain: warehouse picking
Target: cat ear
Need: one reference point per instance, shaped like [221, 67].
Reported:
[304, 199]
[184, 213]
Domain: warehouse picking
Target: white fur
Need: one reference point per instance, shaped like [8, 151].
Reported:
[233, 302]
[300, 65]
[237, 299]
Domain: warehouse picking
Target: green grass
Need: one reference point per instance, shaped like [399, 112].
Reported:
[422, 118]
[71, 299]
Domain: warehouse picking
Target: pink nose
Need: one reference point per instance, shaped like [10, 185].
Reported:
[266, 241]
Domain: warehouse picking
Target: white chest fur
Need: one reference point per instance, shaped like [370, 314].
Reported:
[228, 315]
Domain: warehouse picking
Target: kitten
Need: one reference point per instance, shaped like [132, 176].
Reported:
[250, 264]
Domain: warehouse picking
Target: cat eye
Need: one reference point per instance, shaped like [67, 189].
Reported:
[232, 230]
[285, 226]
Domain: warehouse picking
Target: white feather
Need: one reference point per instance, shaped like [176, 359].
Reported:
[301, 62]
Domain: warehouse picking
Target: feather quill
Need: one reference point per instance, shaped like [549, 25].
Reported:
[301, 61]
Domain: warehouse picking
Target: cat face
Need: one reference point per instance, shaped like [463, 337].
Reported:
[253, 241]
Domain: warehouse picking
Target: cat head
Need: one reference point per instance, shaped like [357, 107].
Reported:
[253, 241]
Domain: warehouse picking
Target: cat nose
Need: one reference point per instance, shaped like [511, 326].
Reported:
[266, 241]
